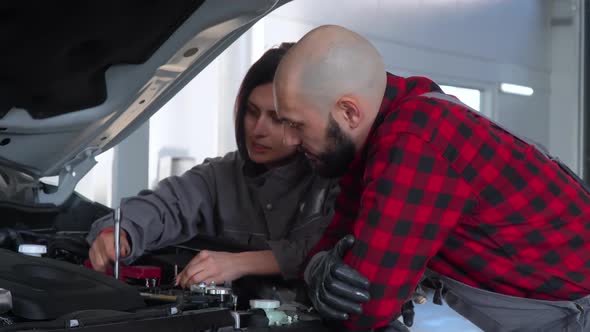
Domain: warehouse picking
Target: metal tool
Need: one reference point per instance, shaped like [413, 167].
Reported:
[117, 241]
[419, 296]
[219, 291]
[200, 288]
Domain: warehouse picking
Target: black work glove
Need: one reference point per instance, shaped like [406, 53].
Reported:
[335, 289]
[408, 313]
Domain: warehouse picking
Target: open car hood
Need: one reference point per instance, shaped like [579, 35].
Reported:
[79, 77]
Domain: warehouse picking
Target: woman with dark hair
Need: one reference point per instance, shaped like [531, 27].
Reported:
[265, 197]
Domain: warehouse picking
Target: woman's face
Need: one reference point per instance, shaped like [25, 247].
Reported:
[263, 130]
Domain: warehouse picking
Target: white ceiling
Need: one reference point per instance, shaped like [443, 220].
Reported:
[513, 31]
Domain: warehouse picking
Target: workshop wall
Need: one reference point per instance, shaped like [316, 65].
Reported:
[564, 122]
[476, 44]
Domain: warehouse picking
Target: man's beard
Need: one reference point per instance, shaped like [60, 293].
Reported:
[340, 152]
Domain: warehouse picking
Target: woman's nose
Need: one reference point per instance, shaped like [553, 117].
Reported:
[261, 126]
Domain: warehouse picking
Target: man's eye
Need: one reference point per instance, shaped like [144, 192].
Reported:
[292, 124]
[275, 119]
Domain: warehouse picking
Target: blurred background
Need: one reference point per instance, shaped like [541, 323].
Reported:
[520, 62]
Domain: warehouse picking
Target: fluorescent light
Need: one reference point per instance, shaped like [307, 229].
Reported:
[470, 97]
[516, 89]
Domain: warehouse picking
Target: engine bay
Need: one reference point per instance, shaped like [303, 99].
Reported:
[47, 283]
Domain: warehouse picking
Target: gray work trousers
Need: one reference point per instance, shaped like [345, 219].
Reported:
[494, 312]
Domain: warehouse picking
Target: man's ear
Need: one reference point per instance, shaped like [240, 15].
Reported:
[350, 111]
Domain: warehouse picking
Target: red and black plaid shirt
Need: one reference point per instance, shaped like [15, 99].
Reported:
[438, 186]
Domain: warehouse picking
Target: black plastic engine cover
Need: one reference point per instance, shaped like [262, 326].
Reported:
[44, 289]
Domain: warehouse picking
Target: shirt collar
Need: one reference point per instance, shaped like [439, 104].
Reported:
[397, 90]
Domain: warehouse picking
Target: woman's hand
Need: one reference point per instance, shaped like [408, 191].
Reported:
[210, 266]
[102, 251]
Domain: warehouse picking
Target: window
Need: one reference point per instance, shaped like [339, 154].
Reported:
[471, 97]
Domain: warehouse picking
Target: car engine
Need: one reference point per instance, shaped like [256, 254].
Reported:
[47, 283]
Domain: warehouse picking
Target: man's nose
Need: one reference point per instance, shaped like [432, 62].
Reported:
[291, 137]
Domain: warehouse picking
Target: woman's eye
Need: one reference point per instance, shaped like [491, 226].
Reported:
[251, 111]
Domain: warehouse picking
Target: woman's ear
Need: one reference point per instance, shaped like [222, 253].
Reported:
[350, 111]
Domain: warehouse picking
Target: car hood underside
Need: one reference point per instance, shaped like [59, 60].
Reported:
[79, 77]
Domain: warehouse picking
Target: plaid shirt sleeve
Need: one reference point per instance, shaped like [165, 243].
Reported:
[411, 202]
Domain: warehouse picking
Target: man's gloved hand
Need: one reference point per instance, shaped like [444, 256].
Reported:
[408, 313]
[335, 289]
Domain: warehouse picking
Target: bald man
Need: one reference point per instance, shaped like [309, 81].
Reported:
[430, 188]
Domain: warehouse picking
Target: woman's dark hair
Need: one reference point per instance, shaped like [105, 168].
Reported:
[261, 72]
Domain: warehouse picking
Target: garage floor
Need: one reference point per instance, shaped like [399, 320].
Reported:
[434, 318]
